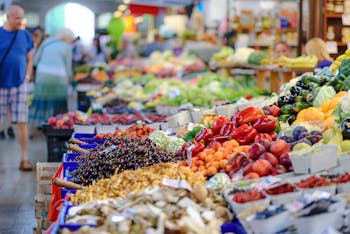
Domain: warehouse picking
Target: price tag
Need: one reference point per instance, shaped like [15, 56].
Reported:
[346, 19]
[177, 184]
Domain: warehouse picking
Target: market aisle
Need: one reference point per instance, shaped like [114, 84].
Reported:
[17, 189]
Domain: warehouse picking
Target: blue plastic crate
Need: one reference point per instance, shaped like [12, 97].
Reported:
[70, 157]
[65, 191]
[97, 141]
[82, 135]
[62, 220]
[67, 171]
[88, 146]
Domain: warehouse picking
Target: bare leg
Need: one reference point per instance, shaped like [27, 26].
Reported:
[22, 133]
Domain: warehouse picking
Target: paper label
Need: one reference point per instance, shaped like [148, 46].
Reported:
[332, 47]
[346, 19]
[177, 184]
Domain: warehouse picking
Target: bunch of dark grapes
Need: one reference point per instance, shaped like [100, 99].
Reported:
[121, 154]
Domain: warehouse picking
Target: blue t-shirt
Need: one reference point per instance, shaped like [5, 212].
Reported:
[13, 70]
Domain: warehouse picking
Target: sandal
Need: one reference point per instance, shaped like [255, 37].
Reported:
[25, 165]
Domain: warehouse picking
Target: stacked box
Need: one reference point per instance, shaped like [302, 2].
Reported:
[44, 171]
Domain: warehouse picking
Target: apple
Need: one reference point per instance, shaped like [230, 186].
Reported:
[262, 167]
[279, 147]
[279, 169]
[285, 160]
[59, 123]
[270, 157]
[273, 135]
[247, 169]
[255, 150]
[275, 111]
[52, 121]
[251, 175]
[265, 143]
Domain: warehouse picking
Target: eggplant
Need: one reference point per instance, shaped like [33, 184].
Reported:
[345, 129]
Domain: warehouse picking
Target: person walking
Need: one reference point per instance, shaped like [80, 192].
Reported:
[16, 66]
[53, 62]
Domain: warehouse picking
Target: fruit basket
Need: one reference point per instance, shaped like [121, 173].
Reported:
[314, 159]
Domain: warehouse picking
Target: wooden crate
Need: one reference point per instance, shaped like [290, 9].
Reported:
[42, 205]
[42, 224]
[45, 170]
[44, 188]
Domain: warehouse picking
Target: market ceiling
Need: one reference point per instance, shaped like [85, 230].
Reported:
[97, 6]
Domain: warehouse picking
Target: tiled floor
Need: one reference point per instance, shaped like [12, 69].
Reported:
[17, 189]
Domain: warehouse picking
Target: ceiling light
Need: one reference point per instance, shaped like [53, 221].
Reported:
[122, 7]
[118, 14]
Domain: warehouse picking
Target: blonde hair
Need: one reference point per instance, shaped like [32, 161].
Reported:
[317, 47]
[65, 34]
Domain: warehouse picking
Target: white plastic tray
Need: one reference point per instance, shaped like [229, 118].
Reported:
[84, 129]
[307, 161]
[271, 225]
[316, 224]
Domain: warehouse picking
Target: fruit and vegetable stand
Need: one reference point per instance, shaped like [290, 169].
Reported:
[268, 165]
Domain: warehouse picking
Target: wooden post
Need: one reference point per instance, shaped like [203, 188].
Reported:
[286, 76]
[274, 81]
[260, 78]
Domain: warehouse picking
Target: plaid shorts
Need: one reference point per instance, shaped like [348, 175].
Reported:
[16, 101]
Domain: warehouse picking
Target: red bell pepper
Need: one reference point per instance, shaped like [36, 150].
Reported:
[246, 116]
[265, 124]
[227, 129]
[204, 135]
[262, 136]
[218, 123]
[245, 134]
[198, 147]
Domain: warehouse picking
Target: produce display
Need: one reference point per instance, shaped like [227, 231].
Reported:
[119, 154]
[121, 184]
[281, 164]
[172, 210]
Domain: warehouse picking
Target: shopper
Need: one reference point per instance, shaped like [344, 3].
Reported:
[15, 66]
[38, 36]
[156, 45]
[78, 53]
[129, 50]
[281, 48]
[54, 70]
[97, 54]
[317, 47]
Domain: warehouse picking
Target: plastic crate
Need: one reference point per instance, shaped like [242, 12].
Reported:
[62, 220]
[88, 146]
[67, 171]
[97, 141]
[69, 160]
[66, 191]
[56, 147]
[84, 101]
[82, 135]
[48, 130]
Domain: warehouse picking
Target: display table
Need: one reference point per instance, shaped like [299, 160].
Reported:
[277, 75]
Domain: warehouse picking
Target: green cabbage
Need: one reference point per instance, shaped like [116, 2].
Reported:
[326, 92]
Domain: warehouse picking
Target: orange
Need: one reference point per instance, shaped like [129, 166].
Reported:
[209, 158]
[202, 155]
[199, 163]
[183, 163]
[226, 144]
[229, 148]
[201, 168]
[216, 146]
[208, 164]
[223, 163]
[212, 171]
[222, 150]
[209, 151]
[234, 143]
[216, 164]
[228, 156]
[218, 156]
[203, 171]
[194, 168]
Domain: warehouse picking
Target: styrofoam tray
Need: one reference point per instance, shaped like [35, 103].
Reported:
[343, 162]
[84, 129]
[179, 119]
[226, 110]
[317, 223]
[272, 224]
[105, 128]
[343, 187]
[284, 198]
[308, 161]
